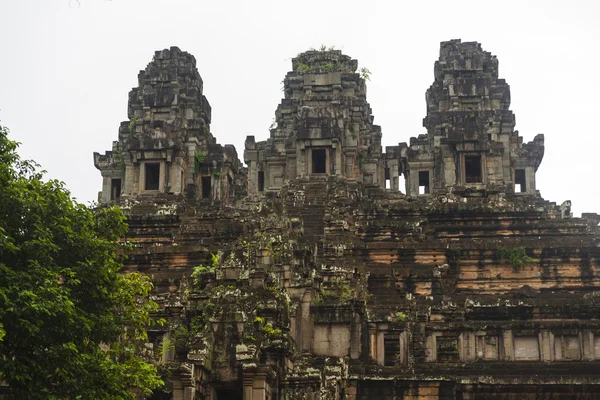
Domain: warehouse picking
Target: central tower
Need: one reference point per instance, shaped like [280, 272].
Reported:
[322, 127]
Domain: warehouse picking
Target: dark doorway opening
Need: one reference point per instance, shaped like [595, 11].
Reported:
[520, 186]
[423, 182]
[318, 161]
[115, 189]
[152, 176]
[473, 169]
[391, 346]
[228, 394]
[261, 181]
[206, 183]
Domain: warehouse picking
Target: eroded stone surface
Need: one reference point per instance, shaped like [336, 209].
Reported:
[323, 284]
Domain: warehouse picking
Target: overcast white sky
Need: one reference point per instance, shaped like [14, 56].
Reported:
[66, 70]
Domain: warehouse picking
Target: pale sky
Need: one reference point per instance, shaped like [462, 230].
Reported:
[67, 68]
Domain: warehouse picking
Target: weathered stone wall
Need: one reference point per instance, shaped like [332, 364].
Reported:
[330, 286]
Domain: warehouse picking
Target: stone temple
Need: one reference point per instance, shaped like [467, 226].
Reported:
[328, 267]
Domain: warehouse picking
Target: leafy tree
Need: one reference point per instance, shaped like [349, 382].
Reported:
[70, 321]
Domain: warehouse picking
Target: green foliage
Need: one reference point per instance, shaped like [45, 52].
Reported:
[259, 320]
[516, 256]
[69, 320]
[270, 331]
[340, 292]
[201, 270]
[365, 73]
[198, 161]
[215, 259]
[303, 68]
[400, 316]
[119, 159]
[323, 48]
[329, 66]
[132, 125]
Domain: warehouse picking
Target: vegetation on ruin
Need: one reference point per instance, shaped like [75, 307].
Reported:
[303, 68]
[70, 321]
[132, 125]
[516, 256]
[365, 73]
[198, 161]
[199, 273]
[400, 316]
[119, 158]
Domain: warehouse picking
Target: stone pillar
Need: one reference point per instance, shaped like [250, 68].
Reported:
[507, 340]
[380, 347]
[546, 339]
[106, 189]
[530, 180]
[339, 169]
[256, 383]
[373, 342]
[248, 383]
[587, 341]
[468, 352]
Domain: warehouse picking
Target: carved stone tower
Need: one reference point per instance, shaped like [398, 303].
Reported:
[322, 127]
[471, 146]
[166, 146]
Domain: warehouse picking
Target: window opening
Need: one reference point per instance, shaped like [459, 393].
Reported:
[520, 186]
[402, 183]
[115, 189]
[423, 182]
[261, 181]
[391, 346]
[473, 169]
[206, 187]
[152, 176]
[388, 184]
[318, 161]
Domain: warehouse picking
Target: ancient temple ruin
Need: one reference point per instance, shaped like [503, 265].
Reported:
[311, 274]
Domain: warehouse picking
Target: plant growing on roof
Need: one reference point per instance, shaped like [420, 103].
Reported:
[365, 73]
[303, 68]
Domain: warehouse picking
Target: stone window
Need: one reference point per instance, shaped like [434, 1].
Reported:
[520, 186]
[152, 176]
[473, 169]
[261, 181]
[391, 346]
[486, 347]
[447, 349]
[115, 189]
[206, 186]
[527, 348]
[566, 347]
[319, 161]
[423, 182]
[387, 179]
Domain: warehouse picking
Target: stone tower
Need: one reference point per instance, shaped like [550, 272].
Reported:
[323, 281]
[322, 127]
[471, 147]
[166, 147]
